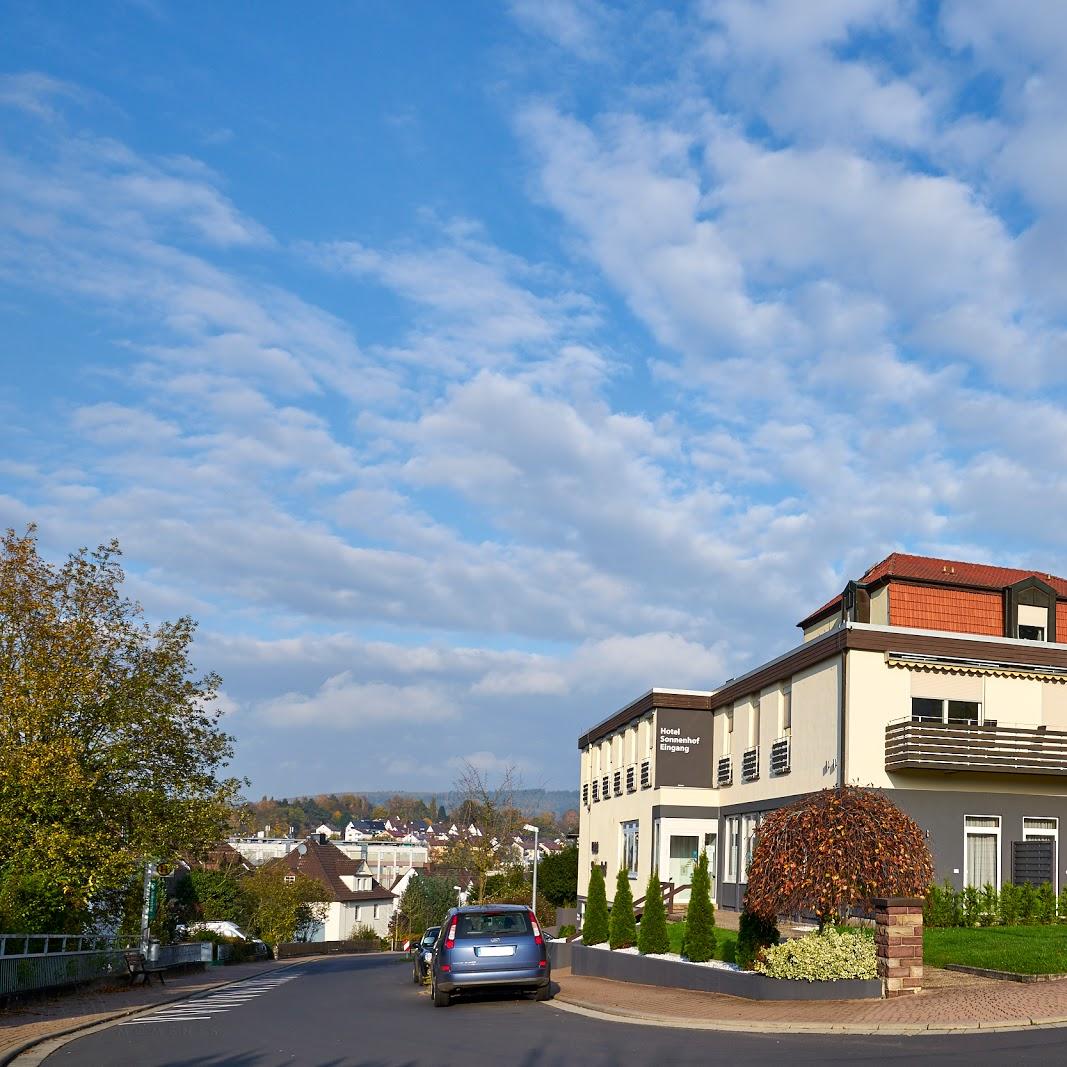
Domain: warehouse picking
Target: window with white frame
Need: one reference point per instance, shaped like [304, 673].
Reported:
[1036, 829]
[377, 911]
[733, 844]
[949, 712]
[629, 847]
[981, 850]
[749, 826]
[358, 913]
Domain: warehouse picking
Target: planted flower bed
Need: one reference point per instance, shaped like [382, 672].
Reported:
[714, 976]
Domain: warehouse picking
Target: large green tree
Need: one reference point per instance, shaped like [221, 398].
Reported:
[557, 876]
[283, 906]
[425, 903]
[111, 751]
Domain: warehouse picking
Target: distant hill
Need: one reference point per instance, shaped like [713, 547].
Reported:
[529, 801]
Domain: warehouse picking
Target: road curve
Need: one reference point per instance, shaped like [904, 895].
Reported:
[365, 1012]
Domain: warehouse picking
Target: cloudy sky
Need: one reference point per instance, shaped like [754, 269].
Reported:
[468, 369]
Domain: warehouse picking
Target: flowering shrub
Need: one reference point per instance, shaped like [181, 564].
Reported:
[826, 957]
[833, 851]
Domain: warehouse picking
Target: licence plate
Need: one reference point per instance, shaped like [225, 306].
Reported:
[495, 950]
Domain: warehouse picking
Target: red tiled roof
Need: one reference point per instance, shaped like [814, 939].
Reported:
[326, 864]
[946, 571]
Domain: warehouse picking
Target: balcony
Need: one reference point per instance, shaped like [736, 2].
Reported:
[750, 765]
[780, 757]
[996, 748]
[724, 773]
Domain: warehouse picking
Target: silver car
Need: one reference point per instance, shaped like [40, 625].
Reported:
[490, 945]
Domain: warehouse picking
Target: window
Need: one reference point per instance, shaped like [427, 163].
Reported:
[596, 792]
[749, 826]
[646, 775]
[952, 712]
[585, 794]
[733, 843]
[728, 736]
[357, 913]
[1031, 633]
[981, 850]
[377, 911]
[617, 781]
[631, 786]
[290, 879]
[629, 847]
[605, 792]
[787, 710]
[753, 726]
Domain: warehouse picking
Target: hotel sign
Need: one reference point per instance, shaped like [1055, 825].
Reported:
[683, 748]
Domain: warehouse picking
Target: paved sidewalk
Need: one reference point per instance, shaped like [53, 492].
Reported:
[48, 1017]
[952, 1003]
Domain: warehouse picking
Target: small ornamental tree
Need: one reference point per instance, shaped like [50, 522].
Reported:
[623, 927]
[836, 850]
[595, 921]
[652, 936]
[699, 943]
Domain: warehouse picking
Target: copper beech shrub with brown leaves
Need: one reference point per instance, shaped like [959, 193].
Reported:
[836, 850]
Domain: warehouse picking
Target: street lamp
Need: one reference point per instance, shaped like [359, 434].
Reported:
[535, 830]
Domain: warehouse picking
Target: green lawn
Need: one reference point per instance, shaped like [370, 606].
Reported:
[725, 942]
[1022, 949]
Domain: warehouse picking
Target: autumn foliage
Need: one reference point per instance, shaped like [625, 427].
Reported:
[836, 850]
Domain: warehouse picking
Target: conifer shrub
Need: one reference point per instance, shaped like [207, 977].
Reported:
[754, 934]
[622, 929]
[652, 935]
[595, 921]
[699, 942]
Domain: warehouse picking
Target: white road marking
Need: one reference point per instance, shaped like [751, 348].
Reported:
[209, 1005]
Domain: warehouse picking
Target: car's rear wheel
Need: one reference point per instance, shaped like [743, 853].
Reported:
[440, 998]
[543, 992]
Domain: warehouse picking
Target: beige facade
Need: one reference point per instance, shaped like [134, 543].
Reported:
[830, 712]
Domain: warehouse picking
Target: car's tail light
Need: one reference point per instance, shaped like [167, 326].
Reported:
[536, 929]
[542, 963]
[445, 967]
[450, 941]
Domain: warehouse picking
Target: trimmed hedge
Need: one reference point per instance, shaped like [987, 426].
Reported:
[1012, 905]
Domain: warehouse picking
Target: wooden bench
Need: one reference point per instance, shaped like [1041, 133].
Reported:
[139, 967]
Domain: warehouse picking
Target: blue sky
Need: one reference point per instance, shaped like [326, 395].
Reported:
[468, 369]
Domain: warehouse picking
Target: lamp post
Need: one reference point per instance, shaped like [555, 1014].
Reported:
[537, 853]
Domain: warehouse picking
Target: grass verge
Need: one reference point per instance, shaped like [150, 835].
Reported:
[725, 942]
[1020, 949]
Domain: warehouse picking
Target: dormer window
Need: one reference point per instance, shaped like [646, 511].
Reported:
[1031, 633]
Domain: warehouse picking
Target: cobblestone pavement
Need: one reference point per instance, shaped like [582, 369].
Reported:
[47, 1016]
[950, 1001]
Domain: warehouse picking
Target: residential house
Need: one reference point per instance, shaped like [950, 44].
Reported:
[353, 896]
[942, 683]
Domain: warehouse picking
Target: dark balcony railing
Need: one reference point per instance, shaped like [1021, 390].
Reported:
[780, 757]
[990, 747]
[750, 765]
[724, 774]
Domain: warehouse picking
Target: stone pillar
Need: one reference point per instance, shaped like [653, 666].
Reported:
[899, 944]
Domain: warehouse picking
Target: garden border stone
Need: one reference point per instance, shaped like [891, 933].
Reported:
[1004, 976]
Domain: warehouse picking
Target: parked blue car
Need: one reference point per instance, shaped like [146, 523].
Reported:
[487, 946]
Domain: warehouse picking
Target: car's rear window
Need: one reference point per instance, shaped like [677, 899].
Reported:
[493, 924]
[431, 935]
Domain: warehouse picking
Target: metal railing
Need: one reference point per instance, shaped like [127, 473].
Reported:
[45, 961]
[780, 757]
[750, 765]
[912, 745]
[724, 771]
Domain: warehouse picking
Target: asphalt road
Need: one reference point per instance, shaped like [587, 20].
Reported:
[365, 1011]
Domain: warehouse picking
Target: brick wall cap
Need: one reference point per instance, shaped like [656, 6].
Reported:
[898, 902]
